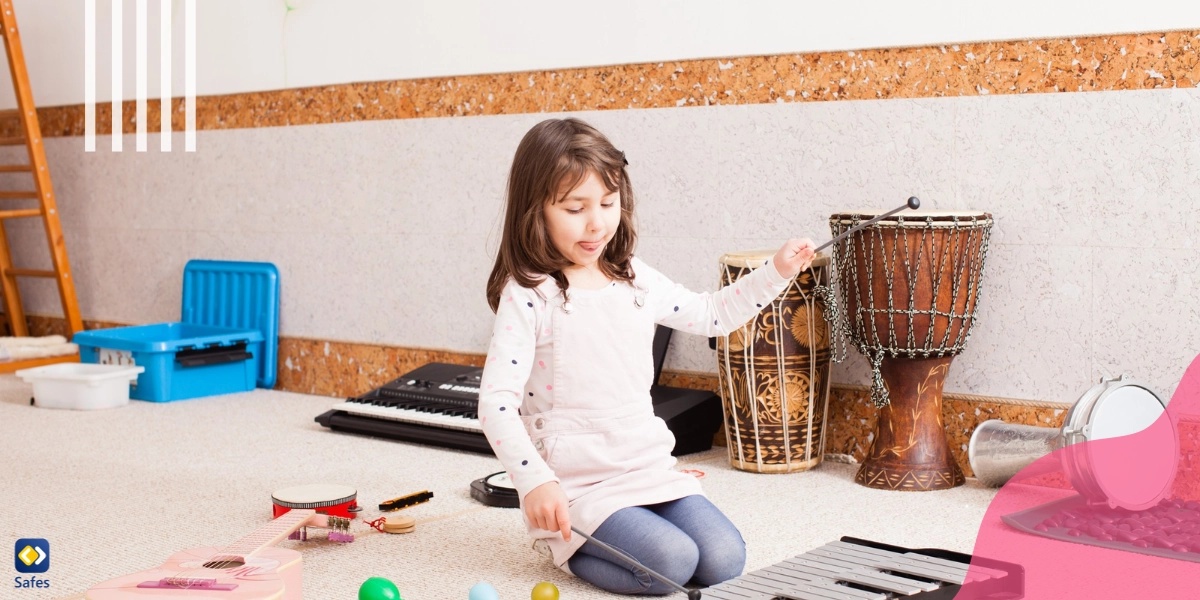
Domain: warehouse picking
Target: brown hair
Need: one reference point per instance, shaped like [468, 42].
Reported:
[558, 153]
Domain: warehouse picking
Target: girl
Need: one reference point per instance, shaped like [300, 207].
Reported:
[565, 400]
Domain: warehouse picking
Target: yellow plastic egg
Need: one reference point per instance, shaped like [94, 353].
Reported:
[544, 591]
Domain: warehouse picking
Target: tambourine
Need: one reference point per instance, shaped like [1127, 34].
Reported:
[335, 500]
[497, 490]
[1133, 474]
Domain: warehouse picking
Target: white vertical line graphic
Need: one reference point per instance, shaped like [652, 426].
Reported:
[166, 67]
[89, 75]
[117, 36]
[189, 136]
[164, 42]
[141, 75]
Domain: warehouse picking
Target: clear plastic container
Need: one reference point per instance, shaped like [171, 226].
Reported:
[80, 386]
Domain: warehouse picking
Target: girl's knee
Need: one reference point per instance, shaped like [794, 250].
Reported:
[721, 562]
[676, 560]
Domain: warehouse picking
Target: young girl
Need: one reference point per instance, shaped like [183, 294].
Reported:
[565, 399]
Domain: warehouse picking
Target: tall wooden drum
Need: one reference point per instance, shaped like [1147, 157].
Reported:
[910, 286]
[774, 373]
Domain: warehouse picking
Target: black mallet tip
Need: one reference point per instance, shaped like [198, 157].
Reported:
[694, 595]
[914, 202]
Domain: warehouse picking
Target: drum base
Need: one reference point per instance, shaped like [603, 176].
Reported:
[912, 480]
[795, 466]
[910, 452]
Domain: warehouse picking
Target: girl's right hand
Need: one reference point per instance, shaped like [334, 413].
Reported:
[795, 256]
[546, 508]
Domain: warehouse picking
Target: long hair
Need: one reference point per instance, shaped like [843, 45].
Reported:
[558, 154]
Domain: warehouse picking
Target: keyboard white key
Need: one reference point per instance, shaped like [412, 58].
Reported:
[410, 416]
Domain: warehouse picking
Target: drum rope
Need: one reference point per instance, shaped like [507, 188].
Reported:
[827, 296]
[782, 377]
[737, 430]
[810, 308]
[748, 340]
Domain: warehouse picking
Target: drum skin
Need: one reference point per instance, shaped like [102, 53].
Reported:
[911, 289]
[335, 500]
[774, 374]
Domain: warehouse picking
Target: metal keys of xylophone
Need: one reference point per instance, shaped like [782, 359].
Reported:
[845, 570]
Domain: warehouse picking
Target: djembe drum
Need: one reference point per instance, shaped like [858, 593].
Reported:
[774, 373]
[910, 287]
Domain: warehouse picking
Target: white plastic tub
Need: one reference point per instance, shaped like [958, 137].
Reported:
[80, 386]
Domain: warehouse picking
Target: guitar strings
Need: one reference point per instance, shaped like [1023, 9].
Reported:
[292, 521]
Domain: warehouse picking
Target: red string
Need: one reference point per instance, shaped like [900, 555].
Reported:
[377, 523]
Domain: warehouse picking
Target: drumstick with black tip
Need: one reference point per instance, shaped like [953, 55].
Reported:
[913, 203]
[691, 594]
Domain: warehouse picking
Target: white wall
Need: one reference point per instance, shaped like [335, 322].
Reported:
[252, 45]
[384, 231]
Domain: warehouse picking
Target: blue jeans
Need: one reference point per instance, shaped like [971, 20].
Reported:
[687, 539]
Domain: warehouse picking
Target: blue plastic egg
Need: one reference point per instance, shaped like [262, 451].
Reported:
[483, 591]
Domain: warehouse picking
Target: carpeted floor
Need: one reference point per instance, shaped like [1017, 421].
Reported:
[119, 490]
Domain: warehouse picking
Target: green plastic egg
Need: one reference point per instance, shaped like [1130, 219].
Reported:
[378, 588]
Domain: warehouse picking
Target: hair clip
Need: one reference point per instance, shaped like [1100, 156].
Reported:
[623, 159]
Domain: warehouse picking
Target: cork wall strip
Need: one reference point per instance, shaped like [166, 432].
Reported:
[1100, 63]
[344, 369]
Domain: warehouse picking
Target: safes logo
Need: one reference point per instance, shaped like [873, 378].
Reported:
[32, 555]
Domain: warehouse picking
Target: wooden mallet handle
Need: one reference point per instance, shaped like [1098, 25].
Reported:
[913, 203]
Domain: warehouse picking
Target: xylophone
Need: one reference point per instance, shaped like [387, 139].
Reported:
[856, 569]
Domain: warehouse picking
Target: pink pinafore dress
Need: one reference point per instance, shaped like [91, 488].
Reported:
[600, 436]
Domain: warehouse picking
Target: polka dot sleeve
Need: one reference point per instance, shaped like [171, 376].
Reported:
[709, 314]
[509, 360]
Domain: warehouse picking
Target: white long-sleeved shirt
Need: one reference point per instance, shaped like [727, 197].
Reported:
[518, 375]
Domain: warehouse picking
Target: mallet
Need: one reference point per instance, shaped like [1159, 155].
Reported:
[691, 594]
[912, 203]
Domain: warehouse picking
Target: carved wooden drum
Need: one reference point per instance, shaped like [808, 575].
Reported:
[910, 288]
[774, 373]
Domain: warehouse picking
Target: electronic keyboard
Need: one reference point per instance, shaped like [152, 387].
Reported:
[436, 404]
[433, 404]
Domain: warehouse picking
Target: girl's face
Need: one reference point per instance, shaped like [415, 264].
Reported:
[584, 221]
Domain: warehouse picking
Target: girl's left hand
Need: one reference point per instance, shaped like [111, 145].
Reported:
[795, 256]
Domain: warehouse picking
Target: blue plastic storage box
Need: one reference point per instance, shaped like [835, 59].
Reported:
[226, 341]
[181, 360]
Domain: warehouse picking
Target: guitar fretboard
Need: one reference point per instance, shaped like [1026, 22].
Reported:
[270, 534]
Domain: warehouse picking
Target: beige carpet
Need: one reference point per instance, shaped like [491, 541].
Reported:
[117, 491]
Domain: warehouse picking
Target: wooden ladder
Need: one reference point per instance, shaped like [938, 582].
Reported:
[30, 136]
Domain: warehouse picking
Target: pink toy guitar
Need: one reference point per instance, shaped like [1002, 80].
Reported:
[250, 569]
